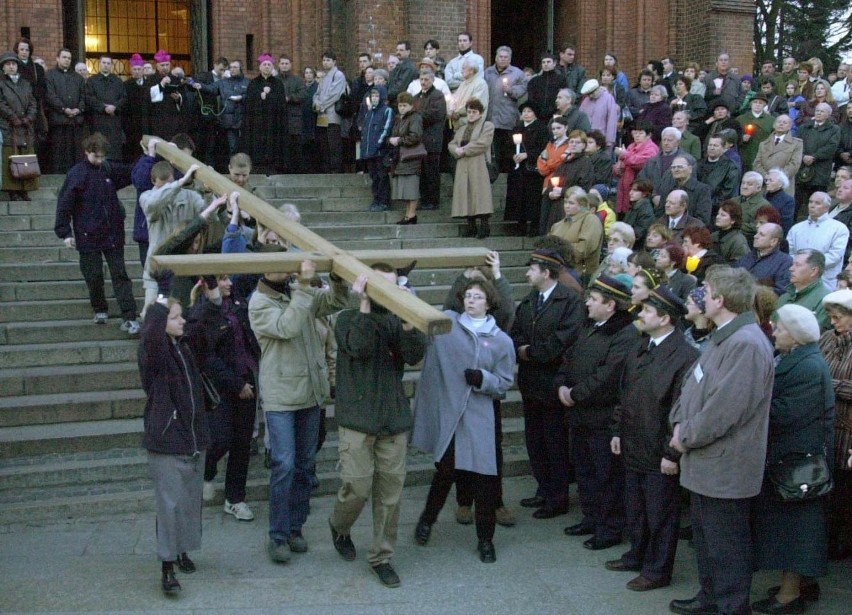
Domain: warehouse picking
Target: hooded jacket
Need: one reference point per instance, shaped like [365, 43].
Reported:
[377, 125]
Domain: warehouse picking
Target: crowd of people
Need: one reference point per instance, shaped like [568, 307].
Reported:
[686, 337]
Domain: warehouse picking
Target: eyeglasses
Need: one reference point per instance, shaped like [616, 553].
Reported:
[474, 297]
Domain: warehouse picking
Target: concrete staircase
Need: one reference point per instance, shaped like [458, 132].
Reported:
[70, 397]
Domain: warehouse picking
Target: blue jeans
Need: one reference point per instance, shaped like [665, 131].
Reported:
[293, 444]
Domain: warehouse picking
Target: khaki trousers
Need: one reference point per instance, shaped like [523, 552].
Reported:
[371, 465]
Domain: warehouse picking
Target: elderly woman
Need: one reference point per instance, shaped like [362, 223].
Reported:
[176, 437]
[700, 327]
[621, 235]
[265, 119]
[836, 347]
[523, 186]
[791, 536]
[463, 373]
[18, 114]
[631, 160]
[407, 132]
[583, 230]
[699, 252]
[657, 111]
[777, 183]
[574, 170]
[473, 87]
[728, 240]
[471, 147]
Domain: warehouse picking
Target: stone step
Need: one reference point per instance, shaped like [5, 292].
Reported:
[127, 464]
[73, 288]
[64, 379]
[84, 432]
[71, 407]
[22, 272]
[67, 353]
[137, 496]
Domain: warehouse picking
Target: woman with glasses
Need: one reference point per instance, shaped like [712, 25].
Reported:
[463, 372]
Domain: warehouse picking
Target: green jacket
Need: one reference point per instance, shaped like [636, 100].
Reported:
[372, 350]
[810, 297]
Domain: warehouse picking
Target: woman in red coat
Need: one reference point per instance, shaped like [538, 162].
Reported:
[631, 160]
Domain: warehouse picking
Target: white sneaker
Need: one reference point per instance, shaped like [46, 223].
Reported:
[240, 510]
[208, 491]
[100, 318]
[131, 327]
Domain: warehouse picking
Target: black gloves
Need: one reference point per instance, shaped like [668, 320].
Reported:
[210, 282]
[164, 281]
[473, 377]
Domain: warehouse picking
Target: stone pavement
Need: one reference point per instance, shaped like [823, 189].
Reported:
[107, 564]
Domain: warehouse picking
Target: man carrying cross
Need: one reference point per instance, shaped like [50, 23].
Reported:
[293, 383]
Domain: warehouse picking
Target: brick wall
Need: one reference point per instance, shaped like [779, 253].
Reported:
[43, 17]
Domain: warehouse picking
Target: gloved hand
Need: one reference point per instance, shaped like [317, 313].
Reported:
[404, 271]
[210, 282]
[164, 281]
[473, 377]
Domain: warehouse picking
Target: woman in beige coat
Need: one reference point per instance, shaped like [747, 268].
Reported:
[18, 111]
[583, 230]
[471, 147]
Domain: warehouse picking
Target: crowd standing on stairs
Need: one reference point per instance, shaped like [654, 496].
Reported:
[644, 348]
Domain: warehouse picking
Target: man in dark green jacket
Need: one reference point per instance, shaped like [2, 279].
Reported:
[374, 418]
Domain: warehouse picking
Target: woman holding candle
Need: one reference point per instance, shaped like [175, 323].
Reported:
[699, 255]
[523, 186]
[575, 170]
[549, 160]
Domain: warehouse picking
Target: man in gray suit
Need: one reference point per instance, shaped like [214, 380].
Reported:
[720, 424]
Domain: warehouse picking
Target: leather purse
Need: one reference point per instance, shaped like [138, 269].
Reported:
[801, 476]
[412, 153]
[24, 166]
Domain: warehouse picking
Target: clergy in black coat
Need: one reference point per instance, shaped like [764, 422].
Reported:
[641, 435]
[106, 102]
[136, 116]
[265, 123]
[65, 105]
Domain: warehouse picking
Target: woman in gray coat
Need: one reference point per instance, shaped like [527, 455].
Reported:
[792, 536]
[463, 372]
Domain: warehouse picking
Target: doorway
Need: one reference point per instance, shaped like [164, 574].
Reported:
[526, 27]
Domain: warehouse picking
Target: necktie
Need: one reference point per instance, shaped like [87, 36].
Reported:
[651, 345]
[671, 223]
[539, 304]
[778, 139]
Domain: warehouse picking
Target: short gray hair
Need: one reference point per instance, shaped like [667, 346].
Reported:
[470, 64]
[815, 258]
[781, 176]
[661, 90]
[671, 130]
[625, 230]
[569, 93]
[753, 176]
[504, 49]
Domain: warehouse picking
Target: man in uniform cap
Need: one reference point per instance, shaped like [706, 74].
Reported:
[641, 435]
[588, 385]
[547, 322]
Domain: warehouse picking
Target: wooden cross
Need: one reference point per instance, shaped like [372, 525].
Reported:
[327, 256]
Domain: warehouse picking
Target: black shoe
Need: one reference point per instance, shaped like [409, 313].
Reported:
[422, 532]
[618, 565]
[23, 196]
[771, 605]
[484, 229]
[549, 512]
[387, 575]
[579, 530]
[342, 543]
[809, 592]
[267, 459]
[185, 564]
[487, 554]
[411, 220]
[692, 606]
[597, 544]
[470, 231]
[534, 502]
[169, 582]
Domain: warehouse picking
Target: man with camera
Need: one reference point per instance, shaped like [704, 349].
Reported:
[169, 112]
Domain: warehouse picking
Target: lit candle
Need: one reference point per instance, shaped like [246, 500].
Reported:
[505, 85]
[554, 181]
[749, 129]
[367, 102]
[517, 138]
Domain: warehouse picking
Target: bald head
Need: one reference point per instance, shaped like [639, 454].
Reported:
[768, 237]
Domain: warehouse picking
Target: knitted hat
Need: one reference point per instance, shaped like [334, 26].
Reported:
[697, 295]
[137, 60]
[602, 189]
[162, 56]
[800, 322]
[747, 77]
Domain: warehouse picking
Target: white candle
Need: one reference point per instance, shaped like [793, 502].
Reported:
[505, 85]
[517, 138]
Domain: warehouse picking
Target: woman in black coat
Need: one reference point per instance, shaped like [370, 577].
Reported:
[176, 436]
[18, 116]
[523, 186]
[792, 536]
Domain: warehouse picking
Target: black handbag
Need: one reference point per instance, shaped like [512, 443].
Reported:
[416, 152]
[801, 476]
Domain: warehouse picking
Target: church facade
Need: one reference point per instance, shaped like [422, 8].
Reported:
[197, 31]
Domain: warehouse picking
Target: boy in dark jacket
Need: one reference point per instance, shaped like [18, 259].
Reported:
[378, 120]
[88, 202]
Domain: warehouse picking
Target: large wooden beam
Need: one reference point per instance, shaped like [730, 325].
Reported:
[419, 313]
[289, 262]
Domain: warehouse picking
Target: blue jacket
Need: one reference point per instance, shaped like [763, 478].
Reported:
[786, 206]
[88, 200]
[773, 268]
[377, 126]
[175, 421]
